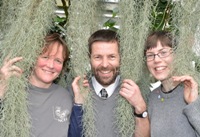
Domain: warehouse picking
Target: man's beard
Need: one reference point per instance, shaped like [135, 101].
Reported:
[104, 81]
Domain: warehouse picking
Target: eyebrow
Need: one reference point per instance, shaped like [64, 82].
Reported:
[158, 50]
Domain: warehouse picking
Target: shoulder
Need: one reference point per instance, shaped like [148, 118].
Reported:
[155, 91]
[154, 94]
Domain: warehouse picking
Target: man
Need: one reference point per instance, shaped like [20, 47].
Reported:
[104, 52]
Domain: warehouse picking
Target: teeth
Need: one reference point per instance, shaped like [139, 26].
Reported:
[105, 72]
[48, 72]
[159, 68]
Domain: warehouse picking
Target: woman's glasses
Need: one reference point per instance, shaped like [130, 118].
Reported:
[161, 54]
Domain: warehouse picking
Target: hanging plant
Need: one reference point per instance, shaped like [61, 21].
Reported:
[185, 19]
[134, 27]
[23, 39]
[82, 21]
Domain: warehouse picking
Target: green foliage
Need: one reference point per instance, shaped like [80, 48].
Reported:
[110, 23]
[60, 24]
[161, 15]
[60, 20]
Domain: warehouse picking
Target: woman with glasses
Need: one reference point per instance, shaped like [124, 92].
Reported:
[174, 107]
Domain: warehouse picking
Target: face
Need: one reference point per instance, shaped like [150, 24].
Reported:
[48, 67]
[105, 61]
[160, 68]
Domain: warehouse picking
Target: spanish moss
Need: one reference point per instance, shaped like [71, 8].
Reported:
[134, 27]
[186, 21]
[8, 13]
[25, 38]
[83, 20]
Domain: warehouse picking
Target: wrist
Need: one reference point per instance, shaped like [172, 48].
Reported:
[78, 100]
[140, 109]
[76, 104]
[144, 114]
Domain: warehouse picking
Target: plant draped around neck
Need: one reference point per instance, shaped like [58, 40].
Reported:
[24, 38]
[82, 21]
[134, 27]
[186, 30]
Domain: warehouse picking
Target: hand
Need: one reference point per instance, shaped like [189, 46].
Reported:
[6, 71]
[79, 96]
[190, 87]
[131, 92]
[9, 68]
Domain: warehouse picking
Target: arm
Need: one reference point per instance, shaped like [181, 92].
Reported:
[192, 110]
[142, 128]
[190, 87]
[75, 127]
[131, 92]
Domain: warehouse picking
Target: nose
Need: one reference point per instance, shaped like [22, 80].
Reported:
[50, 63]
[156, 58]
[105, 62]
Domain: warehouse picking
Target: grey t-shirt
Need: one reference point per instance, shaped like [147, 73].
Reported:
[166, 113]
[50, 111]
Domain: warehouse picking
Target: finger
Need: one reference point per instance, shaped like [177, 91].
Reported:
[124, 93]
[182, 78]
[127, 93]
[85, 83]
[84, 77]
[126, 86]
[12, 73]
[14, 60]
[124, 90]
[187, 84]
[126, 83]
[130, 82]
[15, 68]
[191, 84]
[130, 85]
[16, 73]
[10, 62]
[188, 80]
[76, 80]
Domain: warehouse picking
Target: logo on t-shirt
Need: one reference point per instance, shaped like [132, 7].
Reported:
[60, 115]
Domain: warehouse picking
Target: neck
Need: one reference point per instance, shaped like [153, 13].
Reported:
[33, 81]
[169, 84]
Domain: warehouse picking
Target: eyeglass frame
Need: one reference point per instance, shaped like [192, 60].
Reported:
[154, 55]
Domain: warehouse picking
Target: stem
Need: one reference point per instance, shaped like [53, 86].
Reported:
[65, 8]
[164, 15]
